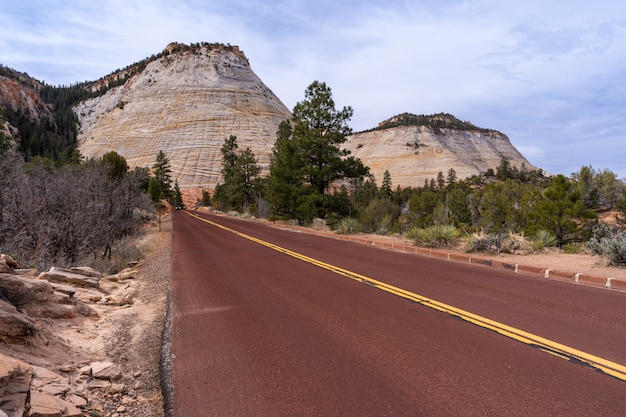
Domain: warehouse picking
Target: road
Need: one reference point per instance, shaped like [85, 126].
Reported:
[269, 322]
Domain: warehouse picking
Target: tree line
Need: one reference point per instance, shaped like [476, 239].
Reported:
[311, 176]
[78, 212]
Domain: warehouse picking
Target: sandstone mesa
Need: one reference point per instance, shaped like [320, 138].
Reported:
[188, 99]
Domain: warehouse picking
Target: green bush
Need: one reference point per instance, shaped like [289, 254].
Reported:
[348, 226]
[573, 248]
[609, 245]
[544, 239]
[440, 235]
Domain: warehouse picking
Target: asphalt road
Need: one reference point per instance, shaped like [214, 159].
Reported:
[260, 332]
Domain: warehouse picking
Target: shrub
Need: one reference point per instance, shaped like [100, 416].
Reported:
[380, 217]
[573, 248]
[348, 226]
[439, 235]
[544, 239]
[515, 242]
[485, 242]
[385, 224]
[610, 246]
[497, 242]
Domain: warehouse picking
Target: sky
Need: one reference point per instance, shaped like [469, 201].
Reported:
[549, 74]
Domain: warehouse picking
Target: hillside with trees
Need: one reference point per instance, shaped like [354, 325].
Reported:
[509, 209]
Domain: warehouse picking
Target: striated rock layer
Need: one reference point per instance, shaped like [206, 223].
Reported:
[184, 103]
[413, 154]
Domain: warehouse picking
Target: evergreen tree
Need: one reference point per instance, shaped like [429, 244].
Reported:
[241, 177]
[285, 181]
[385, 188]
[458, 207]
[177, 197]
[505, 206]
[319, 131]
[229, 154]
[365, 192]
[154, 190]
[116, 165]
[441, 182]
[206, 198]
[621, 208]
[422, 206]
[562, 211]
[504, 170]
[451, 178]
[163, 174]
[311, 159]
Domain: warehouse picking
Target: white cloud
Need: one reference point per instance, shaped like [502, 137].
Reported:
[540, 71]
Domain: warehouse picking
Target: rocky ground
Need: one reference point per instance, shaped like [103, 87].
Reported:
[99, 350]
[96, 352]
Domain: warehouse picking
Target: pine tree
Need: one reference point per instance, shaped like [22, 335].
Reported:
[451, 178]
[562, 211]
[116, 165]
[177, 197]
[241, 177]
[163, 174]
[385, 188]
[319, 131]
[307, 158]
[441, 182]
[285, 181]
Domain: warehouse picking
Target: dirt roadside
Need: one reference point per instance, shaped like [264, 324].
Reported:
[129, 336]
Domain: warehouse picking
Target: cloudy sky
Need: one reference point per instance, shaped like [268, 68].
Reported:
[550, 74]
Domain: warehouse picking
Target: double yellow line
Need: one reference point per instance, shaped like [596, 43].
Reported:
[608, 367]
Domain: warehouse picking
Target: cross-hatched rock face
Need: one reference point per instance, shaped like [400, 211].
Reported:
[184, 104]
[413, 154]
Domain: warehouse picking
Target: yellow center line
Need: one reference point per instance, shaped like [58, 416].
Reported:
[611, 368]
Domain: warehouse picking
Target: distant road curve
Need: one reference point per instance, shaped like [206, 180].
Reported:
[272, 322]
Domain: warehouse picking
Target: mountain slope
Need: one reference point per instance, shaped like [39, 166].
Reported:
[184, 103]
[186, 100]
[416, 148]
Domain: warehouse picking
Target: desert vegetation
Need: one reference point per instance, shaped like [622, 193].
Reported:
[85, 211]
[505, 209]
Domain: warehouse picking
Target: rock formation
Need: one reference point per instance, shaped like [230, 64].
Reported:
[188, 99]
[184, 103]
[20, 101]
[35, 311]
[416, 148]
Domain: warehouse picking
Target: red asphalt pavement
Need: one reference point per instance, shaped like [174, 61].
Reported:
[256, 332]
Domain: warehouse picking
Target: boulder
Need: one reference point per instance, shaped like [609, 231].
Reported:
[46, 405]
[49, 382]
[20, 290]
[8, 261]
[13, 324]
[7, 264]
[86, 271]
[106, 370]
[15, 377]
[58, 307]
[67, 276]
[123, 296]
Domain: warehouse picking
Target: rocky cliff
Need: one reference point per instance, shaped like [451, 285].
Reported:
[416, 148]
[20, 101]
[184, 103]
[186, 100]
